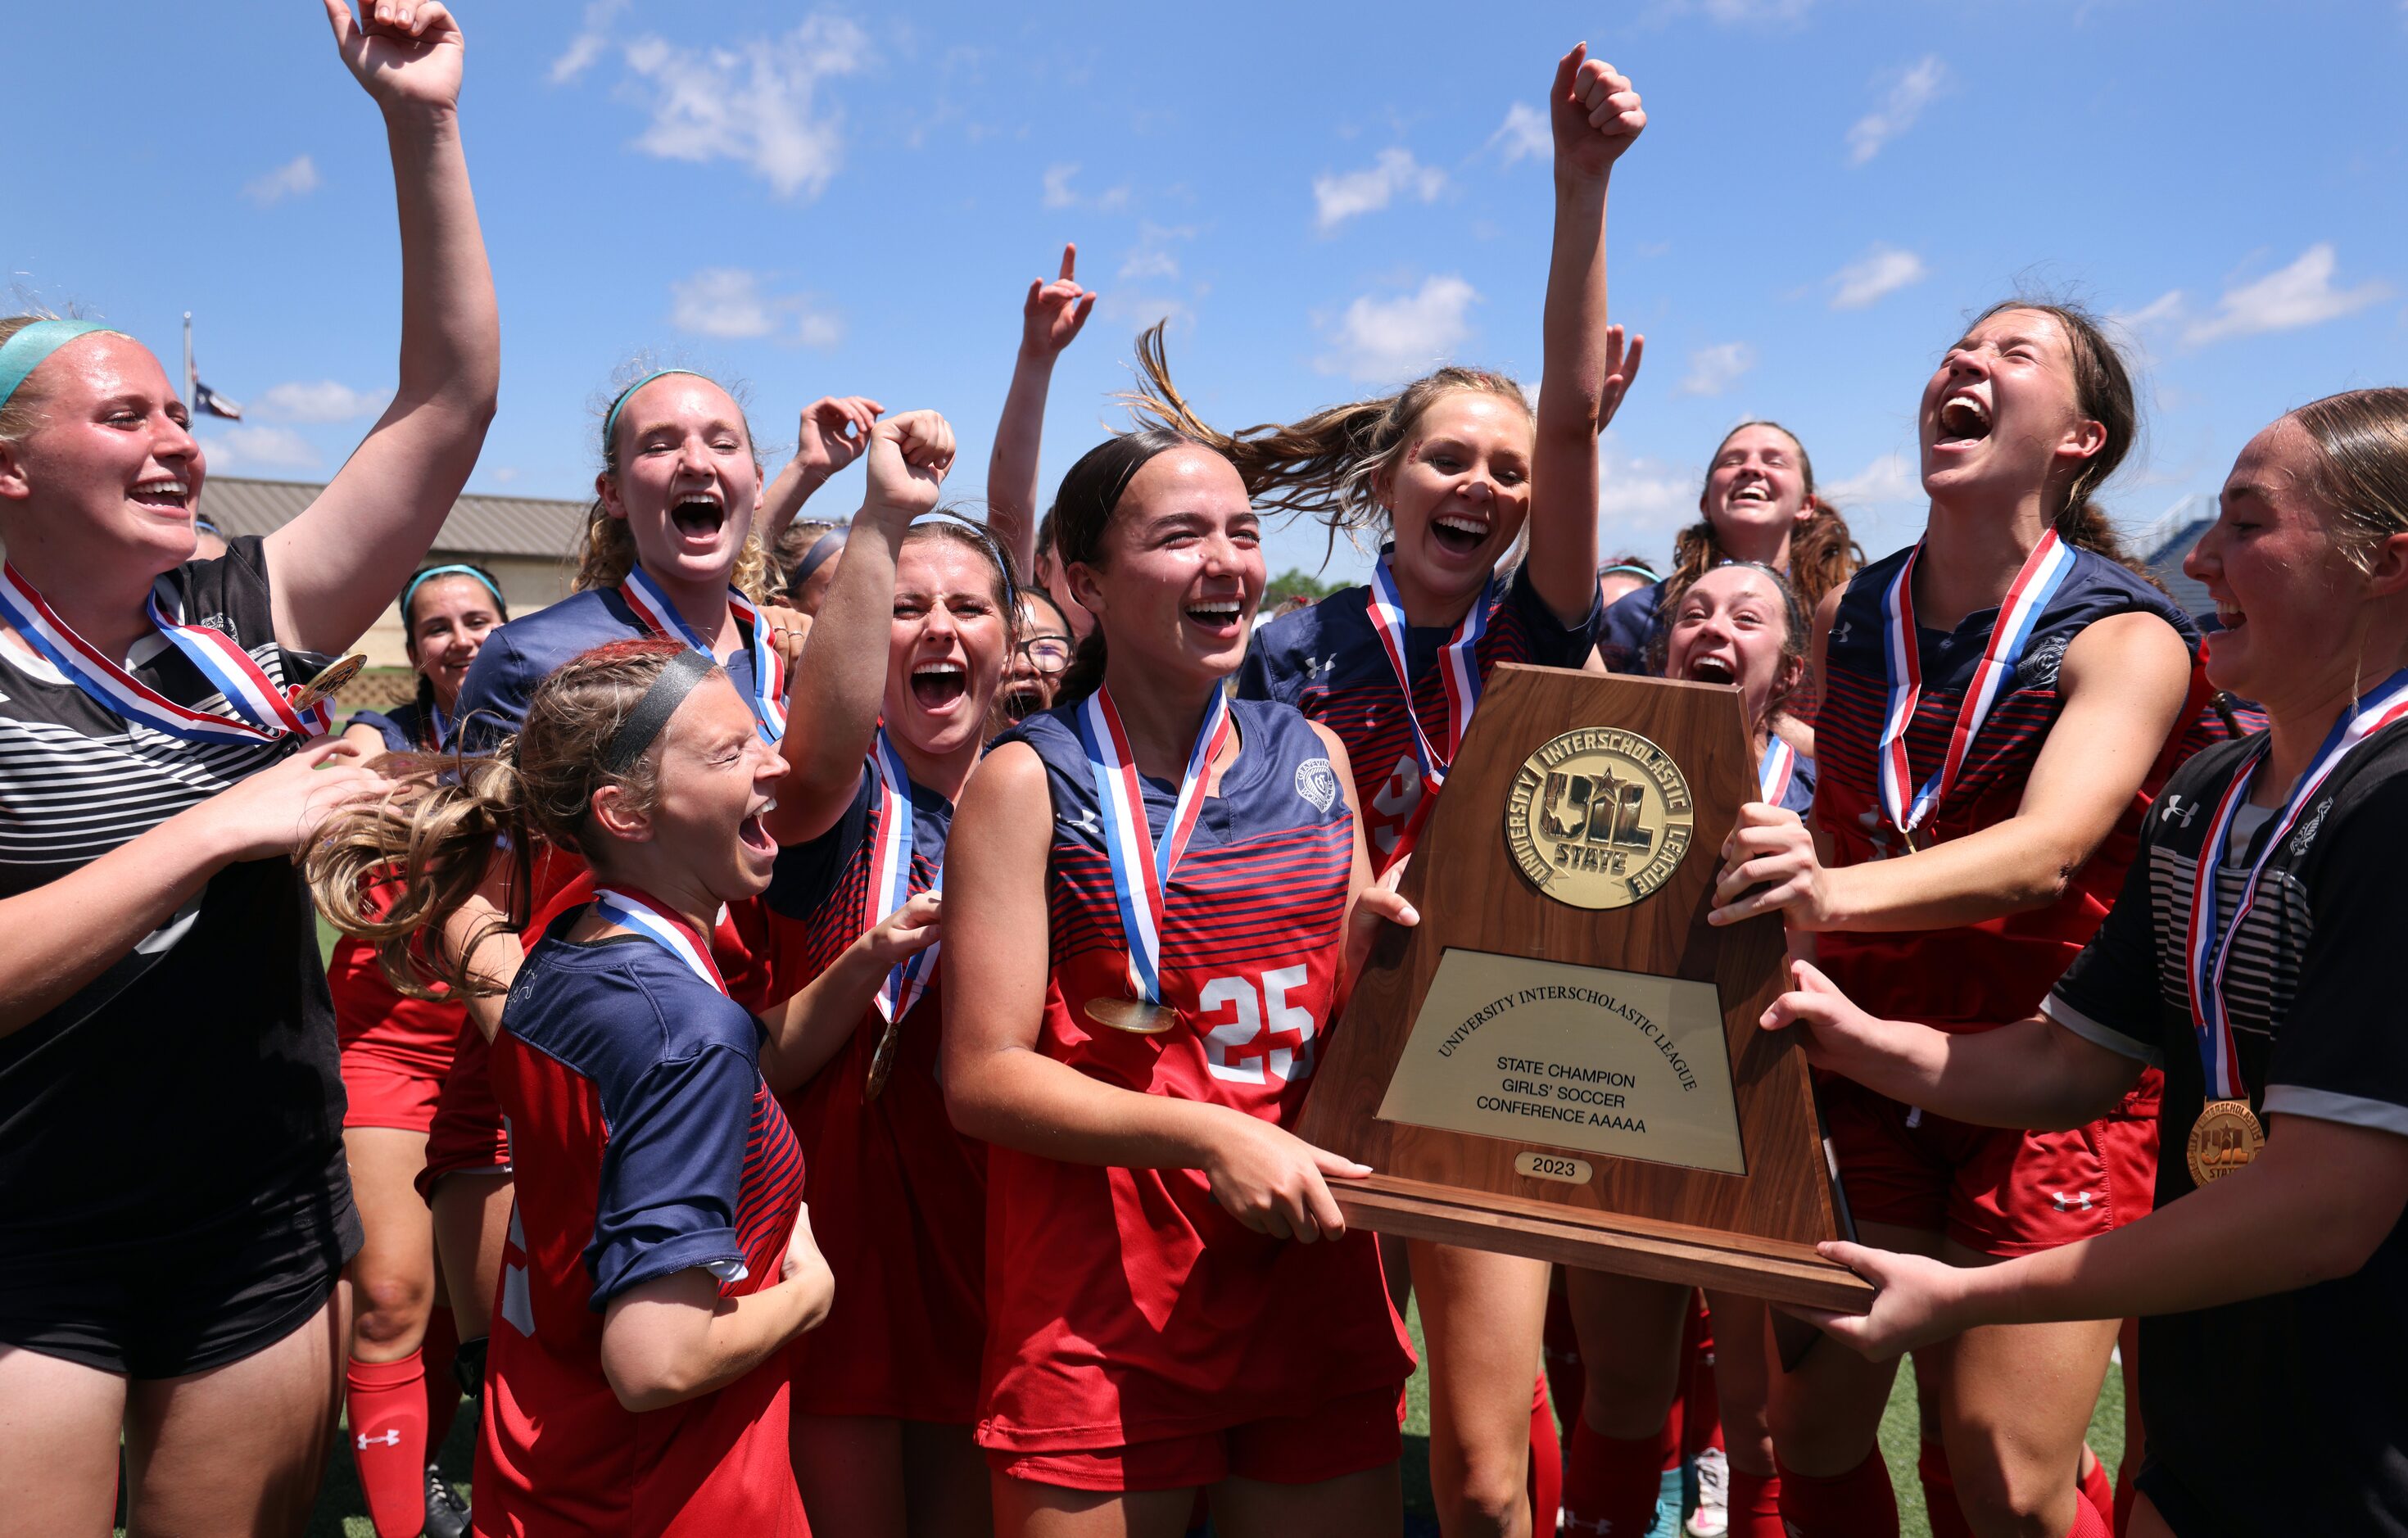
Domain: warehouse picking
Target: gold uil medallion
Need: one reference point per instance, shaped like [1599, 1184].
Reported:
[1599, 818]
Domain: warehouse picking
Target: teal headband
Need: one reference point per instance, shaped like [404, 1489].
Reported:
[433, 571]
[610, 421]
[23, 353]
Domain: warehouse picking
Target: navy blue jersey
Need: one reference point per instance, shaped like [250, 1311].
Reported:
[523, 653]
[1327, 661]
[1626, 636]
[1799, 796]
[824, 883]
[1996, 970]
[401, 727]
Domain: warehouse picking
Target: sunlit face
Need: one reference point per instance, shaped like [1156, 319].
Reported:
[1459, 495]
[2286, 593]
[1056, 580]
[1731, 626]
[2001, 415]
[1039, 660]
[450, 617]
[1756, 485]
[687, 480]
[110, 476]
[1182, 572]
[717, 779]
[948, 647]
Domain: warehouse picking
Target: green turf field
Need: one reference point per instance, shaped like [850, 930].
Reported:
[341, 1511]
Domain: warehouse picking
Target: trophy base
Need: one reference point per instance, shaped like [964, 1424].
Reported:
[1597, 1241]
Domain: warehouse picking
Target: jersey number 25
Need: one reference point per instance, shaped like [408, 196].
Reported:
[1243, 1046]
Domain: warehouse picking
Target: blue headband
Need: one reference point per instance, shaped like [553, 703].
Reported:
[415, 583]
[823, 551]
[610, 421]
[23, 353]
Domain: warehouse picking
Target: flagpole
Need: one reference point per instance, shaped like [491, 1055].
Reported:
[190, 395]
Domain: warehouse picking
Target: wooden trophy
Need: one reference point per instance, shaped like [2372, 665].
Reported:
[1562, 1059]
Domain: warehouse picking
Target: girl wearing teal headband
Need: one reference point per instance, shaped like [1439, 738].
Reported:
[173, 1191]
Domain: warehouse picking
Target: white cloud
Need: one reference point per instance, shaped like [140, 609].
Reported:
[1734, 12]
[1059, 195]
[753, 103]
[590, 39]
[1909, 95]
[295, 178]
[324, 400]
[728, 303]
[2164, 308]
[1716, 369]
[1384, 340]
[1339, 198]
[1149, 262]
[259, 449]
[2300, 295]
[1524, 136]
[1880, 271]
[1640, 501]
[1888, 480]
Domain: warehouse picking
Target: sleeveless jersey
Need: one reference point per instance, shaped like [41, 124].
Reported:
[1329, 662]
[1626, 635]
[645, 1144]
[1126, 1306]
[1996, 970]
[898, 1197]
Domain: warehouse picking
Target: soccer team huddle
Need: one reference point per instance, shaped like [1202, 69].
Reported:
[820, 1012]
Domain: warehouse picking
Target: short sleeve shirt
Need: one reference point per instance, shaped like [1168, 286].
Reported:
[2282, 1413]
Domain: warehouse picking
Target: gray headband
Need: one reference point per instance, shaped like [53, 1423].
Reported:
[652, 711]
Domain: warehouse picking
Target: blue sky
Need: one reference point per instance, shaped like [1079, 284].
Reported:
[854, 199]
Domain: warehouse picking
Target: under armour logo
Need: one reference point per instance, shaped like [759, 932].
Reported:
[2078, 1203]
[1316, 667]
[2175, 806]
[1084, 819]
[1839, 632]
[1573, 1524]
[392, 1438]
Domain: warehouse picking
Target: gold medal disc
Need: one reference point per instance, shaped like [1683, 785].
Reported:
[333, 677]
[1600, 818]
[1135, 1015]
[881, 1062]
[2225, 1138]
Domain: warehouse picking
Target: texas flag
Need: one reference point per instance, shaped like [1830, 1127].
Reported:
[207, 399]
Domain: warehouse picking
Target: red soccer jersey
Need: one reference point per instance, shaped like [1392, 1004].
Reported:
[1125, 1305]
[645, 1144]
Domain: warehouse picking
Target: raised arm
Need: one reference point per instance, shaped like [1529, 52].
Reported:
[999, 1087]
[832, 431]
[1596, 117]
[833, 704]
[2123, 682]
[1050, 321]
[333, 570]
[800, 1035]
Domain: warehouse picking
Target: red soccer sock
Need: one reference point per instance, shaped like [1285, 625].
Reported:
[1566, 1381]
[434, 1353]
[2100, 1490]
[2090, 1522]
[1856, 1505]
[388, 1422]
[1610, 1484]
[1546, 1463]
[1754, 1505]
[1939, 1503]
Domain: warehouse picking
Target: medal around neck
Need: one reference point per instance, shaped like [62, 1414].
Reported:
[2225, 1138]
[329, 681]
[1133, 1015]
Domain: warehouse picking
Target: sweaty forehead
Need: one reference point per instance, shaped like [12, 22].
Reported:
[1188, 478]
[1731, 584]
[99, 364]
[2035, 326]
[936, 563]
[1758, 437]
[1476, 414]
[679, 400]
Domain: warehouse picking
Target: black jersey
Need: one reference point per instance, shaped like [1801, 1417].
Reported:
[197, 1079]
[2282, 1413]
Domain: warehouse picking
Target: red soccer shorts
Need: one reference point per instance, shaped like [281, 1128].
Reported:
[467, 1136]
[1996, 1191]
[1342, 1437]
[380, 1091]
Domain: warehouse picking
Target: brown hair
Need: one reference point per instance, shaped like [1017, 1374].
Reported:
[2362, 438]
[1325, 465]
[2103, 392]
[606, 552]
[427, 845]
[1823, 555]
[1083, 507]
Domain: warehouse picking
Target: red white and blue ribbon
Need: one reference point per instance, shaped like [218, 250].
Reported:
[1458, 665]
[632, 910]
[2043, 573]
[890, 876]
[1775, 770]
[652, 607]
[265, 711]
[1142, 870]
[2207, 946]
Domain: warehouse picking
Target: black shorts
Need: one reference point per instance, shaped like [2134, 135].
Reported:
[182, 1297]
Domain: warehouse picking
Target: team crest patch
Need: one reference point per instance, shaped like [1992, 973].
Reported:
[1317, 783]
